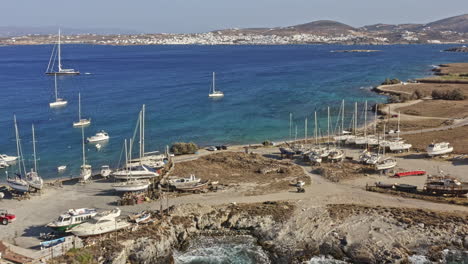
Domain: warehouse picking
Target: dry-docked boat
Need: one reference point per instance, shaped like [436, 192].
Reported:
[193, 187]
[445, 185]
[406, 187]
[17, 183]
[385, 164]
[105, 171]
[72, 218]
[179, 182]
[132, 185]
[384, 185]
[138, 172]
[101, 223]
[409, 173]
[336, 155]
[32, 177]
[439, 149]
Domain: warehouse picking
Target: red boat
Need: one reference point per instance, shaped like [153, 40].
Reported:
[409, 173]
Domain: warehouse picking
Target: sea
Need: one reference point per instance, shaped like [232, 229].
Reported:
[263, 85]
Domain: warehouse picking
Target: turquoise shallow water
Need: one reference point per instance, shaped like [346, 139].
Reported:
[262, 84]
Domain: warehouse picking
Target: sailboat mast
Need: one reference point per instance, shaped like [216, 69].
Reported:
[355, 118]
[290, 126]
[375, 119]
[59, 54]
[365, 119]
[328, 125]
[214, 82]
[83, 145]
[342, 117]
[398, 128]
[126, 154]
[143, 131]
[56, 96]
[17, 145]
[384, 139]
[315, 129]
[305, 130]
[34, 148]
[79, 106]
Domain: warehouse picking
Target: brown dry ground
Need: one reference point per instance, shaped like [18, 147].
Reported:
[438, 108]
[345, 170]
[458, 137]
[411, 125]
[243, 170]
[452, 68]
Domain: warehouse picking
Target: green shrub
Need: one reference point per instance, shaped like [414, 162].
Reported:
[180, 148]
[389, 81]
[455, 94]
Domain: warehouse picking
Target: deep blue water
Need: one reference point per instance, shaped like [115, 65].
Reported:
[262, 85]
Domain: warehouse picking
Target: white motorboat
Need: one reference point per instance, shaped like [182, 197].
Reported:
[98, 146]
[441, 148]
[138, 172]
[61, 168]
[100, 136]
[105, 171]
[184, 181]
[400, 146]
[315, 158]
[8, 159]
[72, 218]
[213, 92]
[57, 54]
[3, 164]
[33, 177]
[101, 223]
[86, 170]
[386, 164]
[59, 102]
[132, 185]
[81, 121]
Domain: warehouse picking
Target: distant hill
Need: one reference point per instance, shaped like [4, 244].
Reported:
[390, 27]
[323, 26]
[13, 31]
[456, 23]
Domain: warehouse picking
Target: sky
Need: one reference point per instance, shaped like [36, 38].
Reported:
[186, 16]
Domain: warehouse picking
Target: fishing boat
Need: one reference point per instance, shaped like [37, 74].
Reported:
[33, 177]
[17, 183]
[100, 136]
[445, 184]
[193, 187]
[57, 55]
[85, 170]
[72, 218]
[8, 159]
[441, 148]
[81, 121]
[101, 223]
[132, 185]
[105, 171]
[59, 102]
[213, 91]
[184, 181]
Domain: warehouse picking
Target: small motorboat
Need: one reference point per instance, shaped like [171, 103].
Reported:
[406, 188]
[100, 136]
[61, 168]
[72, 218]
[105, 171]
[184, 181]
[98, 146]
[140, 217]
[7, 158]
[101, 223]
[384, 185]
[410, 173]
[441, 148]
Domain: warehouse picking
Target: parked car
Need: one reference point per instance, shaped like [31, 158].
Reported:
[6, 218]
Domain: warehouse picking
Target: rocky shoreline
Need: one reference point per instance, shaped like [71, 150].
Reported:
[290, 234]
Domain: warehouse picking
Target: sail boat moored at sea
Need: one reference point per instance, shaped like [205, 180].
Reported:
[57, 55]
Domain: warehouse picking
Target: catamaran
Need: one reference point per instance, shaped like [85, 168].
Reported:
[59, 102]
[81, 121]
[86, 171]
[213, 92]
[72, 218]
[18, 183]
[33, 177]
[57, 54]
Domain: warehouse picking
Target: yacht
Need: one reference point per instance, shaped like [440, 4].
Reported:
[17, 183]
[59, 102]
[184, 181]
[7, 158]
[213, 92]
[105, 171]
[101, 223]
[33, 177]
[81, 121]
[439, 149]
[72, 218]
[137, 172]
[132, 185]
[57, 54]
[100, 136]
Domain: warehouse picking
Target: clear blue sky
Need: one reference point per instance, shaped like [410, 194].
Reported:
[205, 15]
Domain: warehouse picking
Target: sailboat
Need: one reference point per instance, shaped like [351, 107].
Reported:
[58, 101]
[213, 92]
[85, 172]
[18, 183]
[385, 163]
[33, 177]
[81, 121]
[57, 54]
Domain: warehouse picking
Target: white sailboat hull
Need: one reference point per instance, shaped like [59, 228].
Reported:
[432, 152]
[18, 186]
[216, 95]
[58, 104]
[82, 123]
[131, 187]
